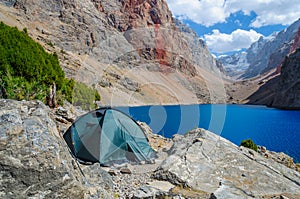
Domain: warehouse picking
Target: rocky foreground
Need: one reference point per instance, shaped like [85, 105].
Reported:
[35, 163]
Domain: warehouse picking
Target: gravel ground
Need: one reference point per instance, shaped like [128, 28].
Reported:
[128, 178]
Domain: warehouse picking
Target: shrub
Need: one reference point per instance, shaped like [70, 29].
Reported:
[84, 96]
[249, 144]
[27, 71]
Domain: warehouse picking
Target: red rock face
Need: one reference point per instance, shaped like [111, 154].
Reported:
[148, 26]
[130, 14]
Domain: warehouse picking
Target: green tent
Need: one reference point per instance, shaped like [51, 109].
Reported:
[107, 136]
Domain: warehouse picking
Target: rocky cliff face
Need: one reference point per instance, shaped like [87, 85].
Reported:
[131, 51]
[198, 49]
[282, 89]
[264, 55]
[270, 53]
[287, 94]
[296, 43]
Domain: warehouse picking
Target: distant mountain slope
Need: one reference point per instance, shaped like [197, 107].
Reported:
[279, 87]
[200, 53]
[281, 91]
[262, 56]
[287, 94]
[131, 51]
[235, 65]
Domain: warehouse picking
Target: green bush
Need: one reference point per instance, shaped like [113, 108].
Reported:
[27, 71]
[249, 144]
[84, 96]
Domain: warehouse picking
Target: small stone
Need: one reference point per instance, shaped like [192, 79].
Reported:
[66, 177]
[283, 197]
[266, 155]
[62, 120]
[24, 109]
[125, 171]
[142, 162]
[112, 172]
[212, 196]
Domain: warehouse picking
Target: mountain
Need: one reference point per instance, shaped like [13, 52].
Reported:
[199, 49]
[262, 56]
[132, 52]
[276, 85]
[235, 65]
[282, 90]
[287, 94]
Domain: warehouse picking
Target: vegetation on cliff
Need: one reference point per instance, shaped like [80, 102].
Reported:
[27, 71]
[249, 144]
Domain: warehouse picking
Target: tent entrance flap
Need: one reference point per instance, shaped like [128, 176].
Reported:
[107, 135]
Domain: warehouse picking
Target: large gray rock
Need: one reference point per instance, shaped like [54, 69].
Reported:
[35, 161]
[206, 162]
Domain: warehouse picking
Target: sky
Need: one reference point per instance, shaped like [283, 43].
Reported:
[229, 26]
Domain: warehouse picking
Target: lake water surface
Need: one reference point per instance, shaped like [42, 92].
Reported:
[278, 130]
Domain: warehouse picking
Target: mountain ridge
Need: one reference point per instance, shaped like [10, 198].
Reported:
[131, 52]
[263, 55]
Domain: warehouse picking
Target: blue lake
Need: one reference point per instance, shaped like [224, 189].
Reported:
[278, 130]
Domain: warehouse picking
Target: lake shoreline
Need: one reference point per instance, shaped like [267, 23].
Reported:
[274, 128]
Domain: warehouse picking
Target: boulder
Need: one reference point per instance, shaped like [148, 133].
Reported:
[35, 161]
[203, 161]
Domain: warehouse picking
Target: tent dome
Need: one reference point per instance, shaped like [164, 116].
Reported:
[107, 136]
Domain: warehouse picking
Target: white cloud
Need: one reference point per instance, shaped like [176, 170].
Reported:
[220, 42]
[208, 12]
[269, 12]
[205, 12]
